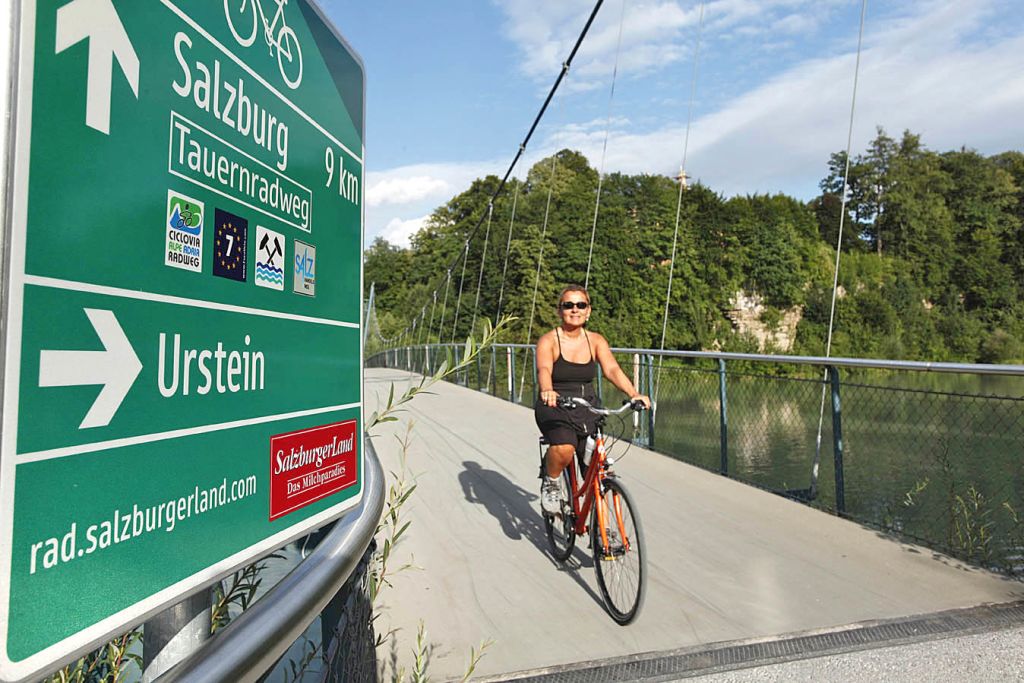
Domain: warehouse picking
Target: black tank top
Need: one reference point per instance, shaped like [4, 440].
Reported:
[570, 378]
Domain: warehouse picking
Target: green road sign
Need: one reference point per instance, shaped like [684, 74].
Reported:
[182, 352]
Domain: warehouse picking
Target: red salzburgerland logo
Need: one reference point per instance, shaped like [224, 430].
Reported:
[311, 464]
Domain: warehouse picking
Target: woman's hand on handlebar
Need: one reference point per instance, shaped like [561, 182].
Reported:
[642, 399]
[549, 398]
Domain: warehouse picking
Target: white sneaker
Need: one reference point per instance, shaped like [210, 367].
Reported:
[550, 496]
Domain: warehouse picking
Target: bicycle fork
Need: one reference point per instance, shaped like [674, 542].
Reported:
[594, 479]
[602, 515]
[603, 526]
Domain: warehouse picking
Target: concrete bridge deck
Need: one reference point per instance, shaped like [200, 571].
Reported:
[726, 561]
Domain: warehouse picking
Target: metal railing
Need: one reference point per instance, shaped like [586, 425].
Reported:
[257, 638]
[931, 451]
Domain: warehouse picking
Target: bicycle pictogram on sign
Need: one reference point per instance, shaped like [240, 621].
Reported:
[281, 39]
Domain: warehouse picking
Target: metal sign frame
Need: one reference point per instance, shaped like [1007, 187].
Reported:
[17, 42]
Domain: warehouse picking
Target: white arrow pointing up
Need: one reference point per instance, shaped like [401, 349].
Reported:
[97, 20]
[115, 368]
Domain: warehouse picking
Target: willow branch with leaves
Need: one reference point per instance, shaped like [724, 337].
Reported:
[470, 350]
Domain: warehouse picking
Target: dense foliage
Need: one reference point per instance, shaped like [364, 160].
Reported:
[932, 265]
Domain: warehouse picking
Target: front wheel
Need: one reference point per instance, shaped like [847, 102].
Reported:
[561, 528]
[621, 565]
[289, 57]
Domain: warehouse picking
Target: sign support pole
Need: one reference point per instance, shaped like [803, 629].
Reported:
[369, 311]
[174, 634]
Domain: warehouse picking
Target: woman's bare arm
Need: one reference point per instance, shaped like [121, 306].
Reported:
[545, 365]
[613, 372]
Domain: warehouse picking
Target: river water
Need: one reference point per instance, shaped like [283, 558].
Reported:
[939, 458]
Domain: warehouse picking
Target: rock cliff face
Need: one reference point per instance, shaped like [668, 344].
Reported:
[746, 311]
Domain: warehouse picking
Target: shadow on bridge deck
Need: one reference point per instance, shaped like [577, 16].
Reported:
[726, 561]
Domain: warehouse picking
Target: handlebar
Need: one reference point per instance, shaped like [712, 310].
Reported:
[573, 401]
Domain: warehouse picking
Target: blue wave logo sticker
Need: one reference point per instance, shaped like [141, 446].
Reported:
[270, 259]
[269, 274]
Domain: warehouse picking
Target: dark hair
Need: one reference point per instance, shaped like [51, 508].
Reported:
[574, 288]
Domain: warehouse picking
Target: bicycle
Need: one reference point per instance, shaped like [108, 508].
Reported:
[616, 535]
[285, 42]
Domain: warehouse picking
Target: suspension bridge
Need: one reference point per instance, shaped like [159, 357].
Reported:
[728, 564]
[794, 507]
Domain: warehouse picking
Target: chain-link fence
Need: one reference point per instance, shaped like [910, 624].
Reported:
[934, 452]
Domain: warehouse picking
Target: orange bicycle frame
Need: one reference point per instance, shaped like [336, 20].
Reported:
[590, 494]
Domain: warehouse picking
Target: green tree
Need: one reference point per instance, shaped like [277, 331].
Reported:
[920, 225]
[982, 198]
[932, 264]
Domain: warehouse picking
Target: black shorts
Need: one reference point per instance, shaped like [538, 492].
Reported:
[564, 426]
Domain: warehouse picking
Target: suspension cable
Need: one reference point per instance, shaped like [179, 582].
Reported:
[504, 270]
[423, 315]
[462, 280]
[483, 260]
[371, 318]
[839, 246]
[508, 249]
[444, 307]
[679, 206]
[540, 261]
[376, 330]
[537, 119]
[604, 148]
[430, 327]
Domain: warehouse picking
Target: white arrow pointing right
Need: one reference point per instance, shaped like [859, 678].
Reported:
[116, 368]
[98, 21]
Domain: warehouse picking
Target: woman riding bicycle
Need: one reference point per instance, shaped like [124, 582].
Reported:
[567, 358]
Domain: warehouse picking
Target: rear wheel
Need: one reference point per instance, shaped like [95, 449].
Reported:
[241, 16]
[560, 528]
[621, 567]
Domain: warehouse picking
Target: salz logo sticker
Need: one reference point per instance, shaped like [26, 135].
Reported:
[269, 258]
[305, 269]
[183, 247]
[229, 257]
[311, 464]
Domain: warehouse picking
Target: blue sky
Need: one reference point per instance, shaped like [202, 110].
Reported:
[452, 87]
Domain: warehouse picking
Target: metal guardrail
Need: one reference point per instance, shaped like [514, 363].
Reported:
[863, 363]
[931, 451]
[256, 639]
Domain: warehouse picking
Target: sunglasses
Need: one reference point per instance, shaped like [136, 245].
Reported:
[569, 305]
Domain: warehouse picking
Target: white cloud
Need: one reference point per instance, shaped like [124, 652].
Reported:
[414, 183]
[926, 72]
[398, 231]
[796, 24]
[405, 190]
[546, 31]
[398, 197]
[656, 34]
[940, 68]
